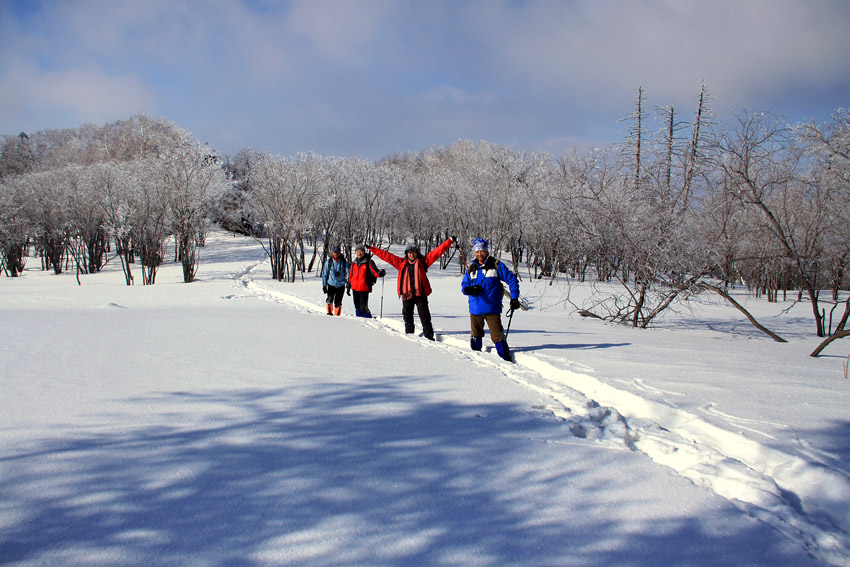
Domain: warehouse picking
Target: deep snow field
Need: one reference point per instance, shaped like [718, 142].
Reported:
[230, 422]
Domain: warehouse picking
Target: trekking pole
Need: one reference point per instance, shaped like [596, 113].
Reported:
[382, 299]
[510, 318]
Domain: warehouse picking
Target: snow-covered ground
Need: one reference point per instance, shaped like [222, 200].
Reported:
[231, 422]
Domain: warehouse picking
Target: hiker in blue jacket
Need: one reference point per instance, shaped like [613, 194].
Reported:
[483, 284]
[335, 281]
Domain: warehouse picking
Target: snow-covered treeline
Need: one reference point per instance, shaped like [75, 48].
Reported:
[683, 206]
[129, 186]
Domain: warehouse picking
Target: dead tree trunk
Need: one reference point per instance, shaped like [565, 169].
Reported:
[746, 313]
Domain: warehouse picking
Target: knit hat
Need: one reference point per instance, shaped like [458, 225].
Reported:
[411, 248]
[336, 249]
[361, 247]
[480, 244]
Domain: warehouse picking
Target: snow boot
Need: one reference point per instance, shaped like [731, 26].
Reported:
[337, 311]
[330, 308]
[475, 343]
[504, 350]
[367, 314]
[358, 313]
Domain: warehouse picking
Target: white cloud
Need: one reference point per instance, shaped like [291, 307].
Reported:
[338, 29]
[79, 95]
[601, 51]
[454, 96]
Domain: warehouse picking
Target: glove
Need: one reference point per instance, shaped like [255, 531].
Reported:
[347, 289]
[382, 273]
[472, 290]
[325, 289]
[453, 239]
[515, 304]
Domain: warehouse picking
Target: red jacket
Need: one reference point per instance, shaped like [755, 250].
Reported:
[420, 284]
[357, 273]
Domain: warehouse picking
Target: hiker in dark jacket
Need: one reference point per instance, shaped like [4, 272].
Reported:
[362, 275]
[483, 284]
[413, 285]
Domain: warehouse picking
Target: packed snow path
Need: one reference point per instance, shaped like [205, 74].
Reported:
[802, 499]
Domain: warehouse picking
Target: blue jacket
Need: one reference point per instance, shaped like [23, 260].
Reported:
[490, 277]
[335, 273]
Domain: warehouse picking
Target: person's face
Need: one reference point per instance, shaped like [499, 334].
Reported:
[481, 256]
[411, 256]
[335, 254]
[360, 253]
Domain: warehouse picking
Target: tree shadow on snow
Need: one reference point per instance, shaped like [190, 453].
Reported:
[291, 477]
[786, 327]
[568, 346]
[831, 445]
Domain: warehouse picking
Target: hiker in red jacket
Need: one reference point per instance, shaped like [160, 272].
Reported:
[413, 285]
[362, 275]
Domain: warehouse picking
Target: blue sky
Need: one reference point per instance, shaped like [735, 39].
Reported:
[373, 77]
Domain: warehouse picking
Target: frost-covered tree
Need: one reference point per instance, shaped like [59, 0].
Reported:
[88, 237]
[828, 146]
[195, 182]
[17, 155]
[280, 202]
[46, 205]
[761, 170]
[637, 215]
[238, 169]
[112, 182]
[325, 209]
[633, 147]
[14, 225]
[150, 220]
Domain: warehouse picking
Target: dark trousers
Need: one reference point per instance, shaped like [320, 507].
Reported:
[361, 301]
[335, 295]
[421, 304]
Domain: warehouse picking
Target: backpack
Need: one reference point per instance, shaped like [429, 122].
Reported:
[371, 278]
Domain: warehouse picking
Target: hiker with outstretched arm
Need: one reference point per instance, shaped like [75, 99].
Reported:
[413, 285]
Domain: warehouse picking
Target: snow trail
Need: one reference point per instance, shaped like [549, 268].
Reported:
[806, 502]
